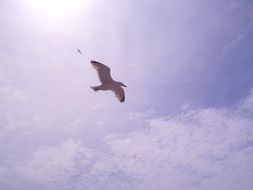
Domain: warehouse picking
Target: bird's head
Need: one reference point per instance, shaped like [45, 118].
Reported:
[121, 84]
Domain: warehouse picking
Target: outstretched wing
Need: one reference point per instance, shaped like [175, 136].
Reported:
[103, 71]
[119, 92]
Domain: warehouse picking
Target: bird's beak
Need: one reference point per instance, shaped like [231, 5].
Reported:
[124, 85]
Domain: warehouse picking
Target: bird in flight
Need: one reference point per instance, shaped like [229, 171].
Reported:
[79, 51]
[108, 83]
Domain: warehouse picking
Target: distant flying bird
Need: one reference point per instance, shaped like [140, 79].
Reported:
[108, 83]
[79, 51]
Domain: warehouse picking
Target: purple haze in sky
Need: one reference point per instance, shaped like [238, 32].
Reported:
[187, 120]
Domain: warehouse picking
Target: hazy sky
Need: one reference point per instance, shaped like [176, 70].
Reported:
[187, 120]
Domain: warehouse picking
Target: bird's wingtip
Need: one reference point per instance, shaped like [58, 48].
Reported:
[92, 61]
[122, 99]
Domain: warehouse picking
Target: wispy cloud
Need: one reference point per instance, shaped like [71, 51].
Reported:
[248, 102]
[197, 149]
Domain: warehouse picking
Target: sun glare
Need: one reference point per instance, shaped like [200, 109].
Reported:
[55, 9]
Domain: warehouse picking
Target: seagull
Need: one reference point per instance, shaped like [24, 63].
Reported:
[79, 51]
[108, 83]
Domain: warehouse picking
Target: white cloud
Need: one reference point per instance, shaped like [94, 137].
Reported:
[54, 166]
[197, 149]
[198, 142]
[140, 115]
[10, 93]
[98, 105]
[248, 102]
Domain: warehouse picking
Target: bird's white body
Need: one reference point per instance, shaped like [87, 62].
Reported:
[107, 82]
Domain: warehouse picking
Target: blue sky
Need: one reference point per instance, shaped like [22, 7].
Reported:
[187, 120]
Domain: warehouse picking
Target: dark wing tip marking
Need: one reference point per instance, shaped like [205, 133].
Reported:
[96, 62]
[122, 99]
[98, 65]
[92, 61]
